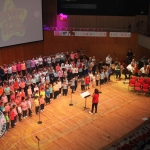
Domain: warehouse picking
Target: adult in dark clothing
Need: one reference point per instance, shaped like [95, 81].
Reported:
[67, 56]
[94, 68]
[129, 27]
[130, 56]
[51, 76]
[1, 73]
[44, 61]
[69, 72]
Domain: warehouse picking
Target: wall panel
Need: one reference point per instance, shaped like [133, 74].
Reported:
[92, 46]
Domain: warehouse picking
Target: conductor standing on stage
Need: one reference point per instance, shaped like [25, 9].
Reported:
[95, 100]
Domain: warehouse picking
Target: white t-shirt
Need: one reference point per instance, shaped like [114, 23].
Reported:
[40, 61]
[76, 70]
[9, 70]
[142, 70]
[36, 61]
[67, 66]
[130, 68]
[108, 60]
[73, 70]
[49, 60]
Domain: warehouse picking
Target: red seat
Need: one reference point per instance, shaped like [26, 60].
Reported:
[145, 88]
[141, 81]
[147, 81]
[141, 78]
[134, 77]
[137, 87]
[131, 83]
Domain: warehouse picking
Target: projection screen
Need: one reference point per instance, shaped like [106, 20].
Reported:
[20, 22]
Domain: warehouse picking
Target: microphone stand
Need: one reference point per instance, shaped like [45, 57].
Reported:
[71, 104]
[39, 122]
[38, 142]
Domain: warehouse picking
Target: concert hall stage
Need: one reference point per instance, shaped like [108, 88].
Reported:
[67, 127]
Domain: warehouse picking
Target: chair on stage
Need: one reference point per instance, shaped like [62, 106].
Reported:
[141, 78]
[134, 77]
[141, 81]
[145, 88]
[147, 81]
[131, 83]
[137, 87]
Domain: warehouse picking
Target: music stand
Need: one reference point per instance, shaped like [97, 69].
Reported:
[85, 95]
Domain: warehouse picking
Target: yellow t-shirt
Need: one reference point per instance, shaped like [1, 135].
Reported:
[55, 88]
[36, 102]
[42, 93]
[37, 94]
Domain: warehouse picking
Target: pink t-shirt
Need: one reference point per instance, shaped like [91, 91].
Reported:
[60, 73]
[32, 63]
[18, 67]
[4, 99]
[15, 112]
[41, 100]
[72, 56]
[24, 105]
[22, 84]
[18, 101]
[12, 96]
[11, 88]
[5, 70]
[14, 68]
[29, 92]
[7, 108]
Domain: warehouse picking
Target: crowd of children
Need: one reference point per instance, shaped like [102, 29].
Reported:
[22, 88]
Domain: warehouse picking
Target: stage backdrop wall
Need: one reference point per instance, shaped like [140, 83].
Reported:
[92, 46]
[109, 22]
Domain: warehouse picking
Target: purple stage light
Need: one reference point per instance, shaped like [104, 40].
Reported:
[63, 17]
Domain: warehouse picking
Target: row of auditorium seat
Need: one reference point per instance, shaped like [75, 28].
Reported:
[137, 141]
[140, 84]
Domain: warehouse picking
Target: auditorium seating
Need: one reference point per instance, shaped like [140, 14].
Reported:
[132, 83]
[140, 84]
[145, 88]
[139, 140]
[137, 87]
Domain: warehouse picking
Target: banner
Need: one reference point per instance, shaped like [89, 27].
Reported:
[89, 33]
[120, 34]
[61, 33]
[80, 33]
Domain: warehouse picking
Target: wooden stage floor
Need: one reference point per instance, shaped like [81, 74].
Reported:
[67, 127]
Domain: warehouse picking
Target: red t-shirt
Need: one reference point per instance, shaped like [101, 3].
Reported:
[57, 68]
[11, 115]
[76, 55]
[95, 98]
[17, 101]
[87, 80]
[16, 85]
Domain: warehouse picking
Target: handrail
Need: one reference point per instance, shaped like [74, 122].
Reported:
[87, 29]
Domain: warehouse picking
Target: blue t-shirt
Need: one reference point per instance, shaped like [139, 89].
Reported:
[47, 92]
